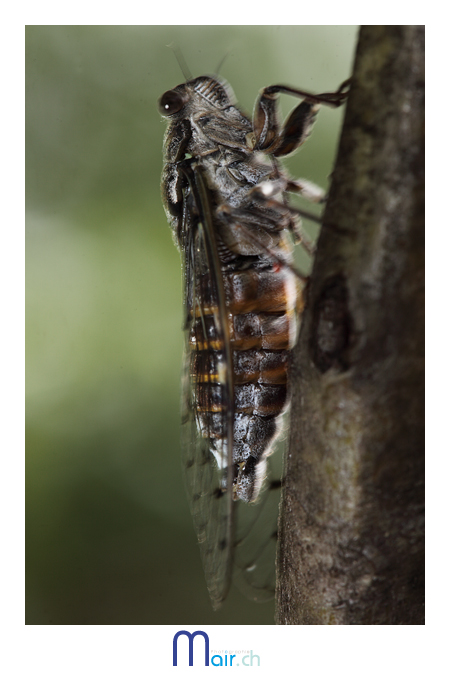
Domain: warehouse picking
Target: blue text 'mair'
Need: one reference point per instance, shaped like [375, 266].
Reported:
[227, 659]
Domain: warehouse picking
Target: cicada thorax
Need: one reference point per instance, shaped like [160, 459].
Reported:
[262, 304]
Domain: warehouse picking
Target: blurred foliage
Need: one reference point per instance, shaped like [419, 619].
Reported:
[109, 536]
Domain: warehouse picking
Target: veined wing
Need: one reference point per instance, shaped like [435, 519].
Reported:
[256, 535]
[208, 400]
[228, 530]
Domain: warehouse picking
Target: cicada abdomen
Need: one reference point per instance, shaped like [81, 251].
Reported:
[262, 301]
[225, 196]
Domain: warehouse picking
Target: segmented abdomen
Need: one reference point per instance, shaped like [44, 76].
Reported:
[262, 307]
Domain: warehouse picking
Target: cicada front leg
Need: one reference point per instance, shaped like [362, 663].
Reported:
[173, 181]
[280, 141]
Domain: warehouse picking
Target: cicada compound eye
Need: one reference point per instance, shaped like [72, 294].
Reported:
[171, 102]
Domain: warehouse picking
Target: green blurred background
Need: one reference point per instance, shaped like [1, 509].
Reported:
[109, 535]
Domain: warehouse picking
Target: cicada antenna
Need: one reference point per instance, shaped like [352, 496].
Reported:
[225, 56]
[181, 61]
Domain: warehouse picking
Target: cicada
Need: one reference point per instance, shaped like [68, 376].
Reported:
[226, 199]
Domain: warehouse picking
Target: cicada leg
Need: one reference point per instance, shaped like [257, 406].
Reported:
[272, 139]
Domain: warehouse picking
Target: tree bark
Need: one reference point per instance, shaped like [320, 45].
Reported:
[352, 524]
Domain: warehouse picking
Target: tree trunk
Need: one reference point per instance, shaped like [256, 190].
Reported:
[352, 524]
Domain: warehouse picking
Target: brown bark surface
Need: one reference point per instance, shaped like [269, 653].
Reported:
[351, 526]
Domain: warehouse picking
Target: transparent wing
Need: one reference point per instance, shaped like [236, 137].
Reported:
[211, 507]
[256, 545]
[207, 397]
[228, 531]
[256, 535]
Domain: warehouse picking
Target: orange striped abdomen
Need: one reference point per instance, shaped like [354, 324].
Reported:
[262, 309]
